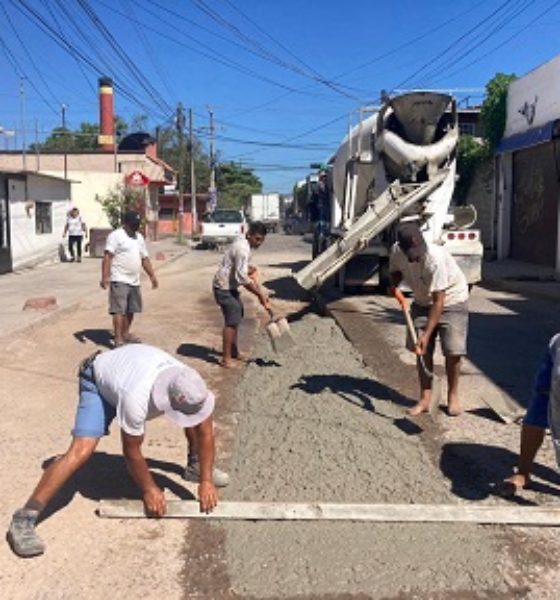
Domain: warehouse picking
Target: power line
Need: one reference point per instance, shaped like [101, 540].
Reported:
[36, 18]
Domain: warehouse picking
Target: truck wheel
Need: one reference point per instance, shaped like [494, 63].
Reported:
[383, 275]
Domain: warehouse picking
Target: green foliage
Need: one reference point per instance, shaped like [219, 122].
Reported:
[117, 201]
[235, 185]
[493, 112]
[471, 152]
[84, 138]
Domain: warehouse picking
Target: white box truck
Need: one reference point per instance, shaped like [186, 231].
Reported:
[265, 208]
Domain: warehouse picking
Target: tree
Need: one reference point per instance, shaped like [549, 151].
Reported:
[471, 152]
[493, 112]
[84, 138]
[235, 185]
[118, 200]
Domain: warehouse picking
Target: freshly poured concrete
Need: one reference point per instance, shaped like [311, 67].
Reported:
[316, 425]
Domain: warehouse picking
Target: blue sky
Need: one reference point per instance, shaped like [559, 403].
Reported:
[282, 78]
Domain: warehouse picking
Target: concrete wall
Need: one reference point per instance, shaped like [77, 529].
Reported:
[27, 246]
[481, 195]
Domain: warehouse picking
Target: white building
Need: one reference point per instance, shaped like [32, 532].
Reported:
[33, 209]
[528, 170]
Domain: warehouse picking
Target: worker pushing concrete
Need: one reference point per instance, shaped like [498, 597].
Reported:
[440, 308]
[235, 272]
[134, 383]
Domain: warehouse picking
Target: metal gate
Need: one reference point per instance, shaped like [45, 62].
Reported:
[534, 223]
[5, 250]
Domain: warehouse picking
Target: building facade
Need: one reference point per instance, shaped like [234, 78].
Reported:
[528, 170]
[33, 210]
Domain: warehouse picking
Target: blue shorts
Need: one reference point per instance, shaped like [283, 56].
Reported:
[94, 414]
[537, 409]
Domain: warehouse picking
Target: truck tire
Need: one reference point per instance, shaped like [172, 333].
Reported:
[383, 274]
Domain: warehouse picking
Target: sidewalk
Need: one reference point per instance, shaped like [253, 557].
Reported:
[69, 283]
[526, 279]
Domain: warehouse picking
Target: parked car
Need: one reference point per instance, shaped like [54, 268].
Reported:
[222, 227]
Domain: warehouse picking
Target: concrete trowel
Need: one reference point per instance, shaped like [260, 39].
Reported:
[436, 384]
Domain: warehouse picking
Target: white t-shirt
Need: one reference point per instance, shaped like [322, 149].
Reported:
[75, 225]
[234, 266]
[437, 271]
[128, 253]
[125, 378]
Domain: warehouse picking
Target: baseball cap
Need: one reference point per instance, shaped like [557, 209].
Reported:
[181, 393]
[411, 240]
[132, 218]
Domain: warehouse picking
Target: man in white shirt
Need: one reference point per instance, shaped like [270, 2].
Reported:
[440, 307]
[125, 256]
[235, 272]
[134, 383]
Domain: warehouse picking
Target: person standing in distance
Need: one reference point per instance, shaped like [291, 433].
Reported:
[125, 256]
[76, 230]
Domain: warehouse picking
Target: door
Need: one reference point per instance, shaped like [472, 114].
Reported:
[5, 251]
[534, 222]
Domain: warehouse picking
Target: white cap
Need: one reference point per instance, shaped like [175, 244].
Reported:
[181, 393]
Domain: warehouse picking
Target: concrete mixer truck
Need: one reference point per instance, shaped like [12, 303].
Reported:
[397, 163]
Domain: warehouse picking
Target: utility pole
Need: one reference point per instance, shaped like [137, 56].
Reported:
[193, 181]
[180, 125]
[212, 194]
[64, 139]
[37, 154]
[22, 119]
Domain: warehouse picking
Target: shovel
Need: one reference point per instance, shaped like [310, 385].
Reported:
[436, 386]
[278, 329]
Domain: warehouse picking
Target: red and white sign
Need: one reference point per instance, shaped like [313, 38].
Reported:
[137, 179]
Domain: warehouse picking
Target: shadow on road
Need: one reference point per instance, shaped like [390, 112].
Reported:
[100, 337]
[201, 352]
[105, 476]
[474, 469]
[360, 391]
[286, 288]
[295, 266]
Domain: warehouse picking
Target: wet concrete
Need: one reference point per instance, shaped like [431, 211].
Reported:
[317, 425]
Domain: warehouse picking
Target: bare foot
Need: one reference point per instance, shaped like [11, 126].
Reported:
[454, 410]
[241, 357]
[418, 408]
[510, 486]
[227, 364]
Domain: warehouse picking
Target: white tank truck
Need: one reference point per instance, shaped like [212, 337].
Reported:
[398, 163]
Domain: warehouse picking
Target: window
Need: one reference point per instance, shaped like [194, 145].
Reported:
[43, 217]
[467, 128]
[224, 216]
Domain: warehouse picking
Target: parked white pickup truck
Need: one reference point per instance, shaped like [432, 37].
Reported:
[222, 227]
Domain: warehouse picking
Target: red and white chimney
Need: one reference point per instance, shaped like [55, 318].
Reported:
[106, 115]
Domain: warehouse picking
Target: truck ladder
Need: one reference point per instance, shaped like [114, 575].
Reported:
[380, 214]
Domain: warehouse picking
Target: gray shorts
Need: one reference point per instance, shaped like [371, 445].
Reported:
[124, 298]
[232, 307]
[451, 329]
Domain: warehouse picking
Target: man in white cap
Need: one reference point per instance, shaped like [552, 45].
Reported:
[134, 383]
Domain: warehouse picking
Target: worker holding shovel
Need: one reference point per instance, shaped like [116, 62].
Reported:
[235, 272]
[440, 308]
